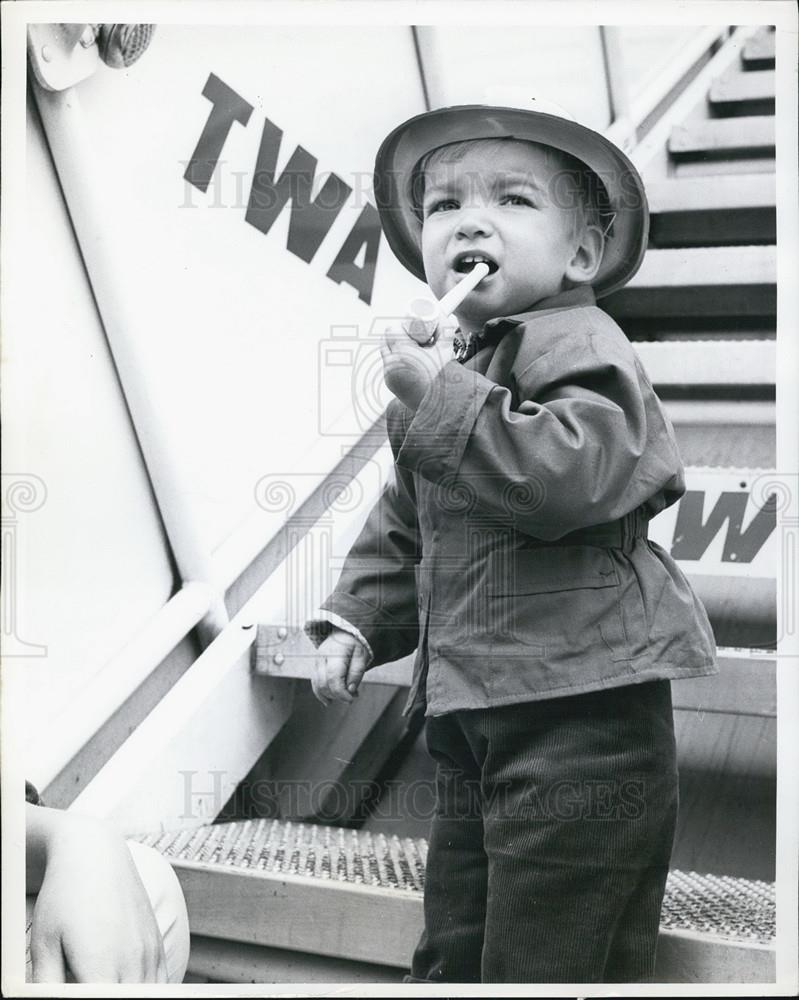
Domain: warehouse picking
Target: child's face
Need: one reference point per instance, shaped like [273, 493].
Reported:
[500, 203]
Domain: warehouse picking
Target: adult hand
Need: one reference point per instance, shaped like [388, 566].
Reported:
[338, 668]
[92, 919]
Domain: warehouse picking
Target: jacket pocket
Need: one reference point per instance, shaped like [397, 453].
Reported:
[550, 570]
[564, 599]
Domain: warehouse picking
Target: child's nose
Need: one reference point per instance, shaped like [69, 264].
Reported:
[474, 222]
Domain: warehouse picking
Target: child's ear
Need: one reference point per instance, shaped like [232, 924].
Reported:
[583, 266]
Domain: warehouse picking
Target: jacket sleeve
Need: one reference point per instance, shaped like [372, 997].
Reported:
[376, 592]
[584, 443]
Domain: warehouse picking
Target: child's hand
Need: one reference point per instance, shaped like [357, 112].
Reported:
[338, 668]
[409, 367]
[92, 917]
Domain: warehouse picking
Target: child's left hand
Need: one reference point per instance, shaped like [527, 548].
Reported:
[409, 367]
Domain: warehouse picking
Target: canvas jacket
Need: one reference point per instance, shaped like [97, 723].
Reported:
[510, 548]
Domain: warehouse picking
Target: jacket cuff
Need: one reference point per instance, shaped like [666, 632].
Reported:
[321, 625]
[440, 429]
[387, 636]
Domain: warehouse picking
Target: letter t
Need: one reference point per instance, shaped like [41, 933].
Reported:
[227, 108]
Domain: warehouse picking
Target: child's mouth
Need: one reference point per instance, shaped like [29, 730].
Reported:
[464, 263]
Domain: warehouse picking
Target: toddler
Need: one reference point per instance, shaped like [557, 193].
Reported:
[511, 551]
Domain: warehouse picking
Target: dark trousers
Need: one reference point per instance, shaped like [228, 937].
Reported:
[551, 841]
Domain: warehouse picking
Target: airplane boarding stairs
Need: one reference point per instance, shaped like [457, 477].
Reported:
[293, 898]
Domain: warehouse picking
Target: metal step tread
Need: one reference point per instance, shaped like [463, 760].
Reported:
[717, 167]
[282, 848]
[709, 362]
[744, 85]
[692, 266]
[724, 907]
[724, 439]
[716, 282]
[719, 210]
[759, 52]
[747, 135]
[697, 194]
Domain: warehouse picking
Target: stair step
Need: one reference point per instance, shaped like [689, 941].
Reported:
[743, 93]
[724, 138]
[758, 52]
[717, 168]
[723, 443]
[724, 281]
[717, 211]
[328, 891]
[746, 686]
[661, 333]
[213, 960]
[709, 362]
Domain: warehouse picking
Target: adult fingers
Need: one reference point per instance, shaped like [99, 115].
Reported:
[47, 959]
[87, 961]
[161, 970]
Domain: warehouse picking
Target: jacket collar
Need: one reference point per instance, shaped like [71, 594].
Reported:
[494, 329]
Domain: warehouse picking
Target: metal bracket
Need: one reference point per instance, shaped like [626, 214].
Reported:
[62, 55]
[279, 651]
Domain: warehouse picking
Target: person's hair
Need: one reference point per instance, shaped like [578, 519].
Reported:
[576, 186]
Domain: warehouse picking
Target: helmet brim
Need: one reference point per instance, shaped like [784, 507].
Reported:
[404, 147]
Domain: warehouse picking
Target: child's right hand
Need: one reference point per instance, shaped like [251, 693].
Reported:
[338, 668]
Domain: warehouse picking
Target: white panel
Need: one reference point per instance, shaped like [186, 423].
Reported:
[238, 322]
[560, 64]
[91, 566]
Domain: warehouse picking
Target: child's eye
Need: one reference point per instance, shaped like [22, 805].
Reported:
[516, 199]
[442, 205]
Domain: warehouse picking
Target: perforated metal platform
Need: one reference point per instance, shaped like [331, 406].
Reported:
[281, 848]
[737, 909]
[733, 909]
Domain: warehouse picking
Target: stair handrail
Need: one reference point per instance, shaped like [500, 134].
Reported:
[639, 113]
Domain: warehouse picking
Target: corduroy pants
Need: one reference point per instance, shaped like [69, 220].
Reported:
[551, 840]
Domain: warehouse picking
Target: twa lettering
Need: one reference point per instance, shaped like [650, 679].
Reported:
[693, 535]
[724, 524]
[311, 218]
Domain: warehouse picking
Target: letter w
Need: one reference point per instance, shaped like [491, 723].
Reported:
[692, 536]
[310, 220]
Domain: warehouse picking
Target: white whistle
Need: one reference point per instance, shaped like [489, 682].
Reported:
[431, 313]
